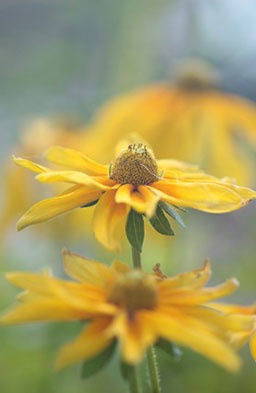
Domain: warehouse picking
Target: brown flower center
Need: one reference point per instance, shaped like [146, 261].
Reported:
[196, 76]
[134, 291]
[135, 165]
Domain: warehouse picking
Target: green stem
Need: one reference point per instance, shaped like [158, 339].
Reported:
[136, 257]
[135, 385]
[151, 355]
[153, 370]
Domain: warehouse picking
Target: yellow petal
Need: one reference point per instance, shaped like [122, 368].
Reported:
[134, 335]
[166, 164]
[86, 270]
[71, 177]
[87, 345]
[30, 165]
[194, 279]
[253, 346]
[44, 309]
[200, 296]
[195, 335]
[234, 308]
[76, 160]
[48, 299]
[208, 197]
[108, 221]
[151, 198]
[143, 200]
[52, 207]
[120, 267]
[216, 319]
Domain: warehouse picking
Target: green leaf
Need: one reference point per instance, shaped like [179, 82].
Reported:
[92, 203]
[169, 348]
[92, 366]
[160, 223]
[126, 370]
[172, 213]
[135, 229]
[182, 209]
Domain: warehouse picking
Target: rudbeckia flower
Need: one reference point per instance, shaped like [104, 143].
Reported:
[190, 119]
[134, 180]
[130, 306]
[240, 338]
[36, 137]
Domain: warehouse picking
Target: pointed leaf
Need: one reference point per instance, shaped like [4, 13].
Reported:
[172, 213]
[169, 348]
[126, 370]
[160, 223]
[135, 229]
[182, 209]
[92, 366]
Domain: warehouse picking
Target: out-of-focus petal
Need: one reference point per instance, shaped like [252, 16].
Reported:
[90, 343]
[76, 160]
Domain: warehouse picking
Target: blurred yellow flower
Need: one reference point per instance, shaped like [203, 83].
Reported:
[134, 180]
[38, 136]
[238, 339]
[134, 307]
[191, 120]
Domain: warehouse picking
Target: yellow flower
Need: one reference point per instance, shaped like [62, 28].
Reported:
[134, 307]
[240, 338]
[38, 136]
[190, 120]
[134, 180]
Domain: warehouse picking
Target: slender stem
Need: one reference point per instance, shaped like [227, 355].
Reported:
[135, 385]
[136, 257]
[153, 370]
[151, 355]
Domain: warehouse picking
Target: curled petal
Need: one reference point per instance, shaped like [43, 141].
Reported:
[194, 279]
[143, 200]
[134, 336]
[108, 221]
[52, 207]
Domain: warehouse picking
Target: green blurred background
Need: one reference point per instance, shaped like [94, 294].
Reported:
[60, 57]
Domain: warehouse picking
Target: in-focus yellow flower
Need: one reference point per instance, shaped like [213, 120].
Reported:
[190, 120]
[240, 338]
[134, 307]
[134, 180]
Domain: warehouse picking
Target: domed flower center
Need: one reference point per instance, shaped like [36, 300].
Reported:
[134, 291]
[197, 76]
[135, 165]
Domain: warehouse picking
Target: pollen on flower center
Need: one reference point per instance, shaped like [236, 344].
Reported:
[135, 165]
[134, 291]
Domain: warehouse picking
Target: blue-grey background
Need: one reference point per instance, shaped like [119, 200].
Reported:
[68, 57]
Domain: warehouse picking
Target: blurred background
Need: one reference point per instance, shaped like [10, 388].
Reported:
[63, 68]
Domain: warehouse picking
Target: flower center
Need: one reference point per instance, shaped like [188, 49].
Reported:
[198, 76]
[135, 165]
[134, 291]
